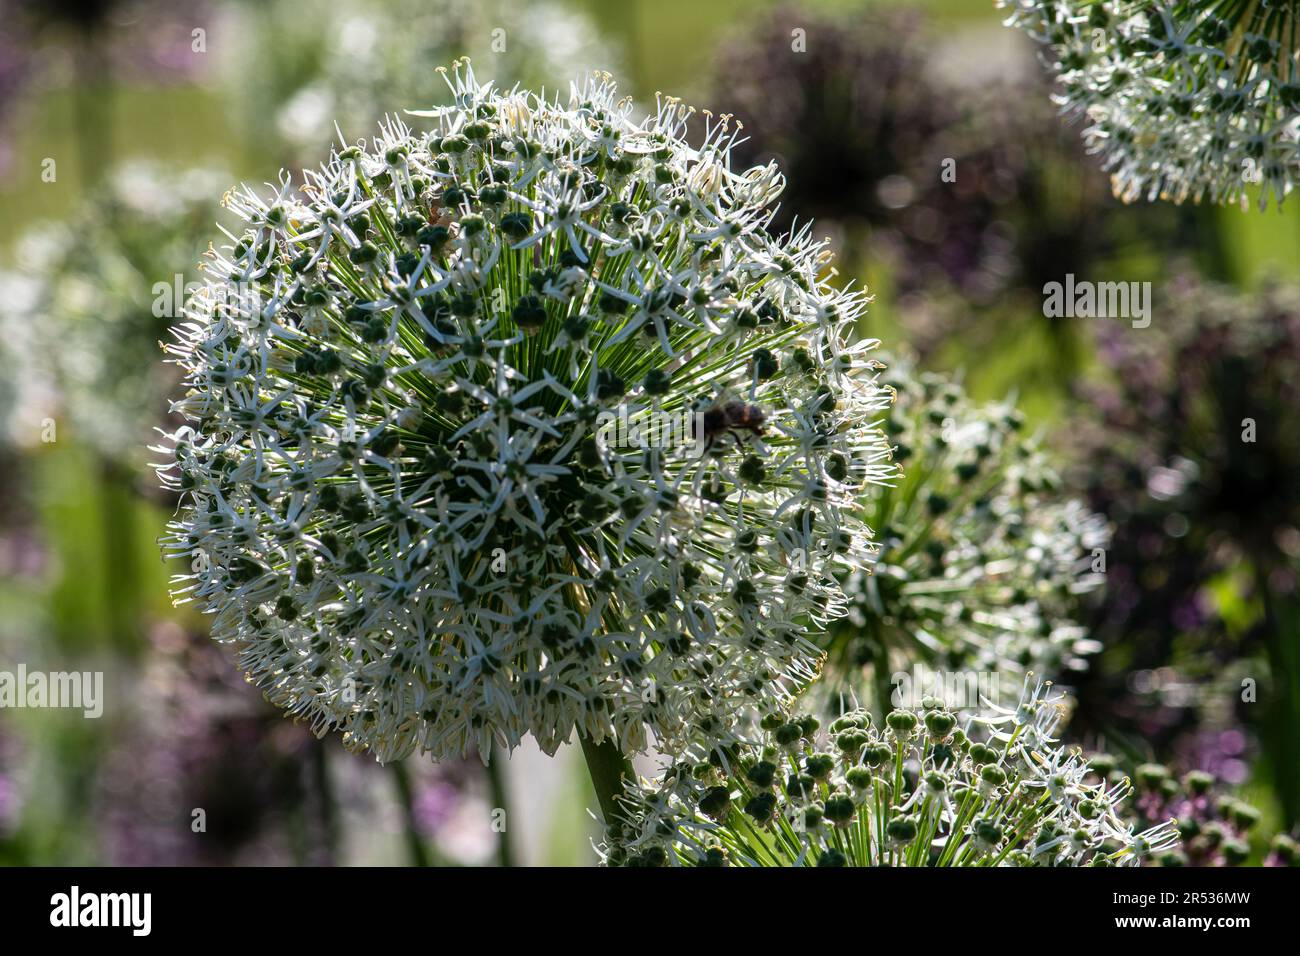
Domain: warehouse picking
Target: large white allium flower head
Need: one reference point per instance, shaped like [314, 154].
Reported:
[523, 424]
[929, 787]
[1184, 99]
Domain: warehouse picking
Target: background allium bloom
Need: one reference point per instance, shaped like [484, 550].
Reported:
[943, 170]
[1213, 826]
[852, 120]
[983, 557]
[1184, 99]
[11, 795]
[403, 505]
[86, 303]
[1000, 790]
[309, 64]
[957, 172]
[200, 738]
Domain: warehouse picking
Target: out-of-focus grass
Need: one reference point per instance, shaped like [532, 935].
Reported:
[1259, 245]
[106, 573]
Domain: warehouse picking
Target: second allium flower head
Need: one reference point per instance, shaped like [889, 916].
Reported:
[1186, 100]
[398, 500]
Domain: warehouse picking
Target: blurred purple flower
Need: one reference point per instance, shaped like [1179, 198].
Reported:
[203, 772]
[1214, 827]
[11, 801]
[1221, 752]
[1190, 442]
[109, 41]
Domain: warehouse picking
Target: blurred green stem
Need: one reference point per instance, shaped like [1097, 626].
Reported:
[122, 598]
[500, 796]
[609, 768]
[1209, 252]
[406, 797]
[326, 806]
[92, 103]
[1280, 731]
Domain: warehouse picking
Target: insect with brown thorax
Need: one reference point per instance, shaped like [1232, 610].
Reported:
[729, 416]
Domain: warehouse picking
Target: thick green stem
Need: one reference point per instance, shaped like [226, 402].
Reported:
[406, 796]
[609, 768]
[500, 800]
[326, 806]
[881, 676]
[1278, 730]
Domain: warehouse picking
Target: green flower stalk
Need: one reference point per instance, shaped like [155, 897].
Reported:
[524, 424]
[918, 791]
[984, 559]
[1184, 100]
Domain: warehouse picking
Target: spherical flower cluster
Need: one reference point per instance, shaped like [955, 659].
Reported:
[523, 424]
[918, 791]
[311, 64]
[1184, 100]
[84, 306]
[984, 559]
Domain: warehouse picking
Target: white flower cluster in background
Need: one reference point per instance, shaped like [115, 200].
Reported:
[87, 300]
[984, 558]
[311, 64]
[1184, 100]
[398, 500]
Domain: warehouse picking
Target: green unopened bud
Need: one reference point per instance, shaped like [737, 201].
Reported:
[901, 830]
[902, 723]
[940, 723]
[716, 803]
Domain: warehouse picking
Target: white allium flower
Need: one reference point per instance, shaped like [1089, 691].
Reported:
[403, 500]
[918, 791]
[1184, 100]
